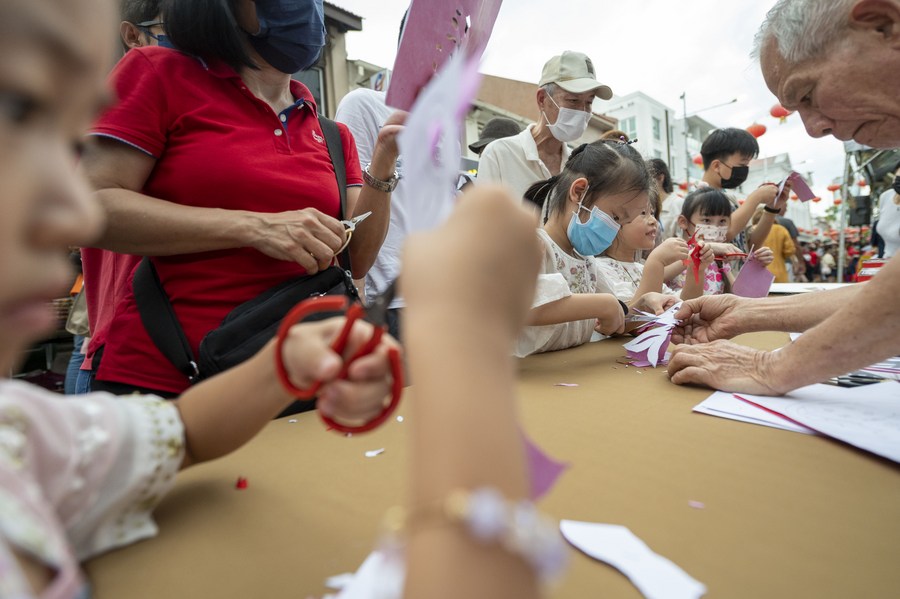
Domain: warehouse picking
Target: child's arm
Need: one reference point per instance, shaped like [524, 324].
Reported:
[466, 434]
[692, 287]
[764, 194]
[223, 413]
[671, 251]
[582, 306]
[673, 270]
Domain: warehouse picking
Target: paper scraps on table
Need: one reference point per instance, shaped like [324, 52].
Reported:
[867, 417]
[566, 385]
[798, 185]
[726, 405]
[374, 452]
[543, 471]
[655, 576]
[649, 347]
[382, 574]
[241, 483]
[697, 505]
[754, 279]
[434, 32]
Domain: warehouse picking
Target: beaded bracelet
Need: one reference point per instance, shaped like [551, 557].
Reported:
[489, 518]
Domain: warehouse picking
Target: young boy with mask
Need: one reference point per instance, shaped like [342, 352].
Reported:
[726, 158]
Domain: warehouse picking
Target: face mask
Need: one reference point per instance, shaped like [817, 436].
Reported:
[594, 236]
[291, 33]
[896, 185]
[163, 41]
[570, 124]
[711, 233]
[738, 176]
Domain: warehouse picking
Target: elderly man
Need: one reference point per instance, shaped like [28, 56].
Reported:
[564, 97]
[827, 59]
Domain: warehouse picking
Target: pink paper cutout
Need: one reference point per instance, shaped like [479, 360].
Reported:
[566, 385]
[753, 280]
[649, 348]
[798, 184]
[435, 30]
[543, 470]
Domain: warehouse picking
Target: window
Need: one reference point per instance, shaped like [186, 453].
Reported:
[657, 128]
[657, 154]
[629, 126]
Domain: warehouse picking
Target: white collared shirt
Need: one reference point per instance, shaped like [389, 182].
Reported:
[515, 162]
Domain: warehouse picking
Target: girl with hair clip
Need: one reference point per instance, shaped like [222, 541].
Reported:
[706, 217]
[603, 186]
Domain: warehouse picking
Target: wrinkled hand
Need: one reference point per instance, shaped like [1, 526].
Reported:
[764, 255]
[466, 268]
[670, 251]
[655, 303]
[722, 365]
[307, 237]
[708, 318]
[360, 397]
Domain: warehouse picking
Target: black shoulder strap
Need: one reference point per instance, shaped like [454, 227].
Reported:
[160, 320]
[336, 152]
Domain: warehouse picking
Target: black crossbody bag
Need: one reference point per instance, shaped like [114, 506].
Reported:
[247, 328]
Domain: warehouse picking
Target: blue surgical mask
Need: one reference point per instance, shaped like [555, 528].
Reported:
[596, 235]
[291, 33]
[163, 41]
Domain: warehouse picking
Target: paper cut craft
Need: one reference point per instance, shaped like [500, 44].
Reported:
[430, 141]
[754, 279]
[542, 469]
[798, 184]
[694, 258]
[382, 574]
[867, 417]
[435, 30]
[649, 348]
[655, 576]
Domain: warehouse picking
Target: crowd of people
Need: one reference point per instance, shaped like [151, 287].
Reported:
[211, 177]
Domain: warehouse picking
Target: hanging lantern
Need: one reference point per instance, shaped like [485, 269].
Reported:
[834, 187]
[816, 231]
[781, 113]
[795, 197]
[683, 186]
[863, 183]
[837, 201]
[757, 130]
[817, 199]
[698, 160]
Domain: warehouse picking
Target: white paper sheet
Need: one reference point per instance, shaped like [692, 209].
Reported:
[726, 405]
[790, 288]
[867, 417]
[381, 576]
[653, 575]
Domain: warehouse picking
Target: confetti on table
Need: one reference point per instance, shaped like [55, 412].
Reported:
[374, 452]
[697, 505]
[292, 420]
[566, 385]
[241, 483]
[399, 418]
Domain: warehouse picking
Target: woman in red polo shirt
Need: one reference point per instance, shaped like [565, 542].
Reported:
[213, 163]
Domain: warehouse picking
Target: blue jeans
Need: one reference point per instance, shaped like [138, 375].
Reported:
[78, 382]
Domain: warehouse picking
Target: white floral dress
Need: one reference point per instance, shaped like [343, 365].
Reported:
[561, 275]
[625, 277]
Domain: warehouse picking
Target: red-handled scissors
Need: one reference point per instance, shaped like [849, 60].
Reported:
[376, 314]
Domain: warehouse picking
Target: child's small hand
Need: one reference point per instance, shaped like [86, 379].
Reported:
[764, 255]
[360, 397]
[708, 254]
[655, 303]
[722, 249]
[481, 265]
[670, 251]
[610, 316]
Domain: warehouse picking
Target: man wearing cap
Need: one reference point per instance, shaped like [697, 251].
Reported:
[496, 128]
[564, 97]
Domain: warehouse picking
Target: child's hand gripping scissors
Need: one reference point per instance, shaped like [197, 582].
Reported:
[376, 314]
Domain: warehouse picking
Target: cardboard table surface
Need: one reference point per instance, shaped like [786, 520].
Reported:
[786, 514]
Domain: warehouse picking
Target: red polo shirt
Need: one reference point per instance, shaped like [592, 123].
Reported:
[218, 146]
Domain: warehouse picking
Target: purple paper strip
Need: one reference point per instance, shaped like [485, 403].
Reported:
[754, 280]
[543, 470]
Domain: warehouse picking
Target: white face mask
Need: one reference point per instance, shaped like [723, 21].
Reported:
[570, 124]
[711, 233]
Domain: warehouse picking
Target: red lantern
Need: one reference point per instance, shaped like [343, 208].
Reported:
[864, 228]
[816, 231]
[837, 201]
[683, 186]
[780, 112]
[698, 160]
[757, 130]
[794, 196]
[817, 199]
[834, 187]
[863, 183]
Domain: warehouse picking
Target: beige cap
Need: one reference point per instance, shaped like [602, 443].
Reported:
[574, 72]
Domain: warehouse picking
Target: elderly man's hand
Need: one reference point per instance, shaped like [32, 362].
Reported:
[723, 365]
[708, 318]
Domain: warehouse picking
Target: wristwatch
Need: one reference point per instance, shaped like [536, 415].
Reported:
[771, 210]
[383, 186]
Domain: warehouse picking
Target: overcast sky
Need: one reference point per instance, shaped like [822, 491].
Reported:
[659, 47]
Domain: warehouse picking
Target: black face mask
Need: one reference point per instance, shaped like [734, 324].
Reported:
[738, 175]
[896, 185]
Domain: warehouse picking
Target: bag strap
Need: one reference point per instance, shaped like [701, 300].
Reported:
[336, 153]
[160, 320]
